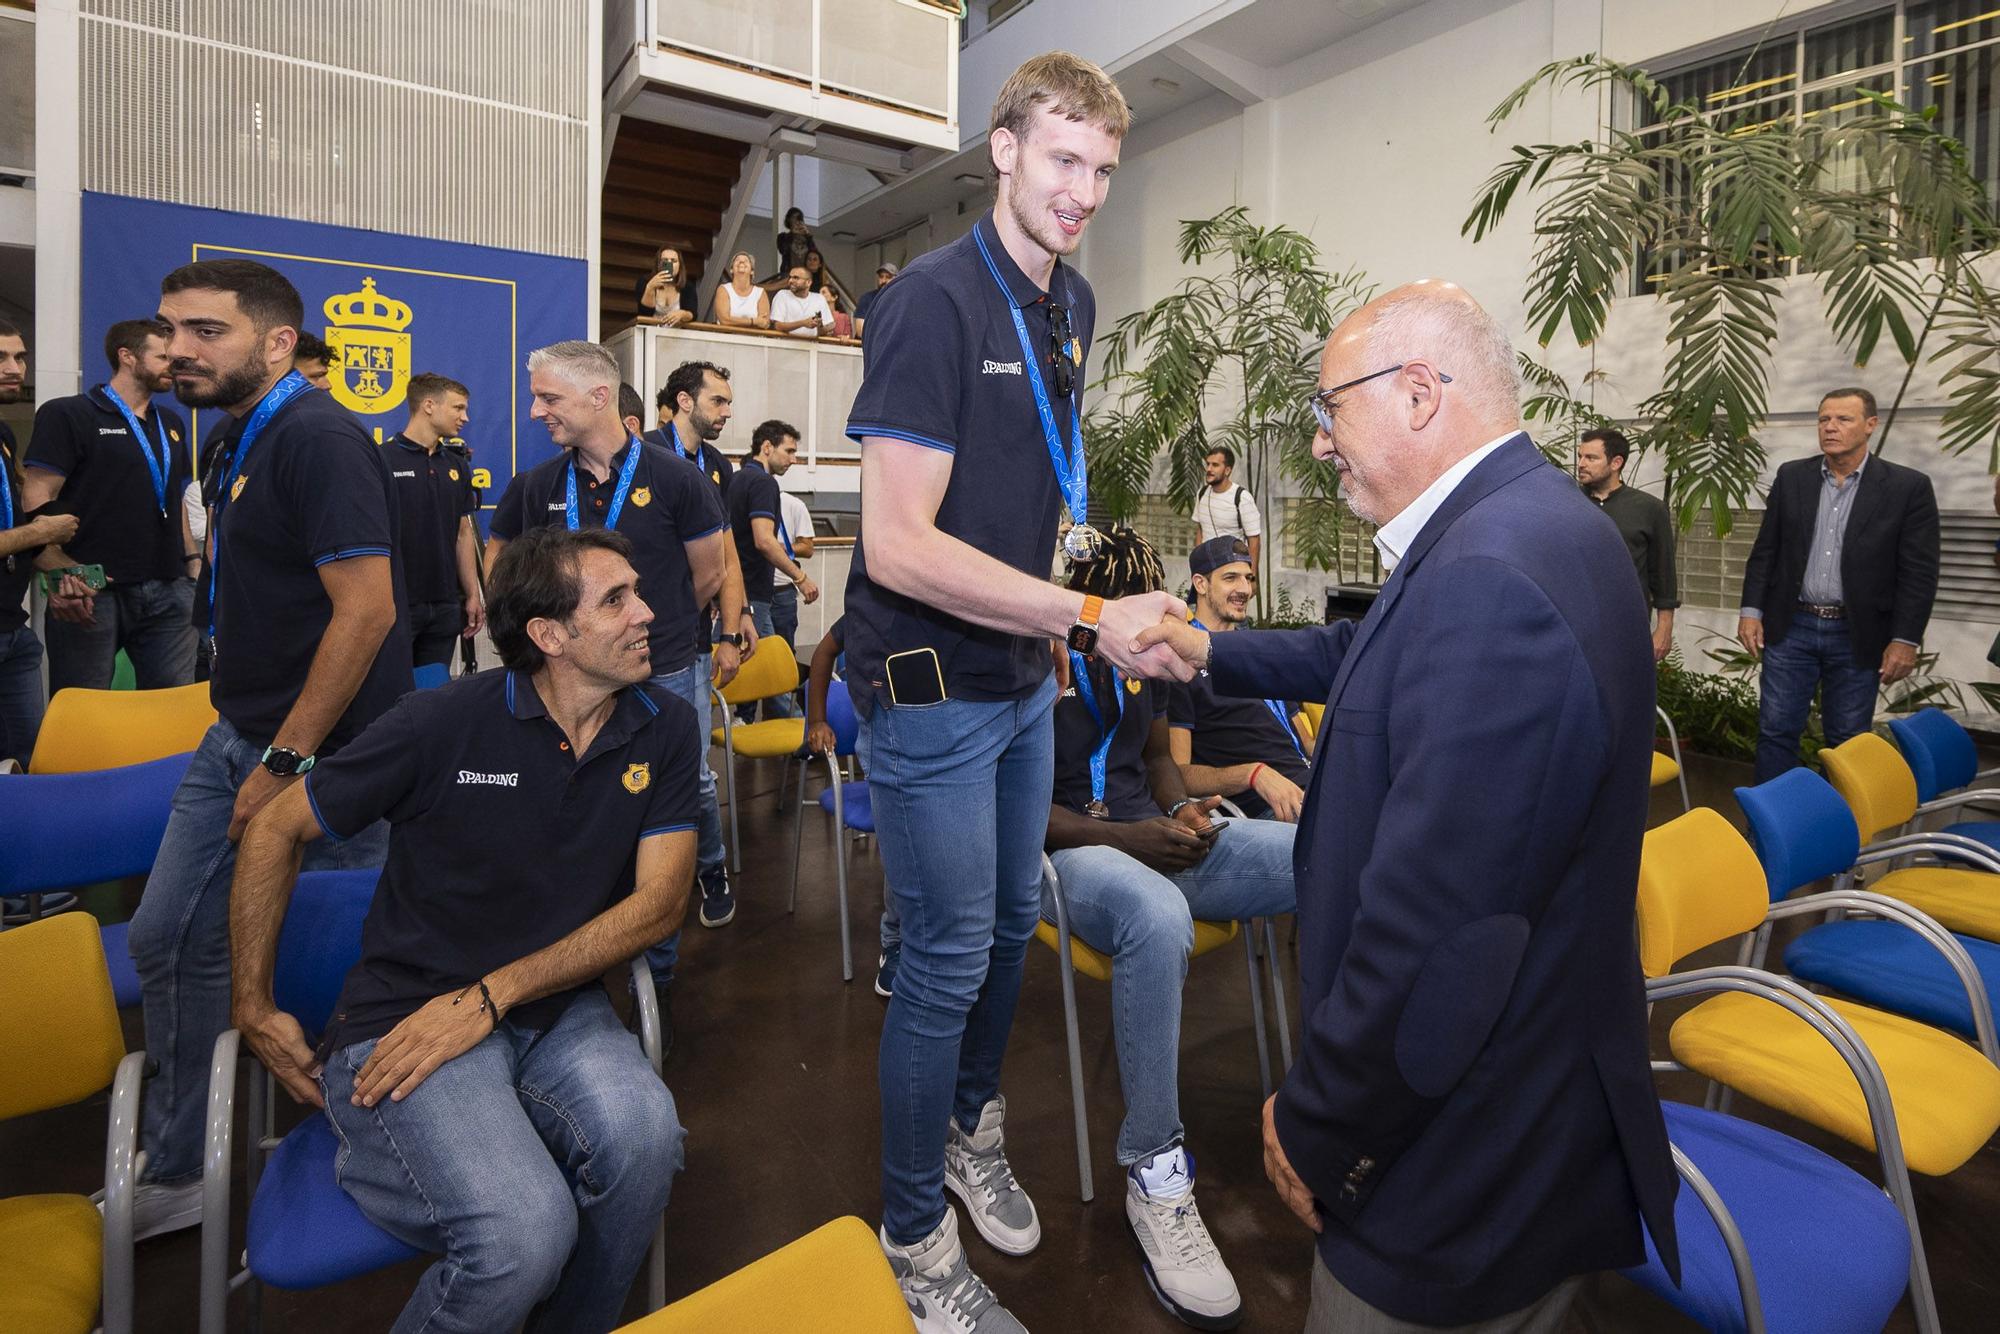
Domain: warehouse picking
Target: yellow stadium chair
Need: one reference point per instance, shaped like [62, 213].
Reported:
[833, 1280]
[60, 1043]
[1876, 782]
[1313, 713]
[1918, 1097]
[108, 729]
[1077, 957]
[1668, 768]
[772, 670]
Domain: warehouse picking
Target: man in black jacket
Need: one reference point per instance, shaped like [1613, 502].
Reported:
[1839, 584]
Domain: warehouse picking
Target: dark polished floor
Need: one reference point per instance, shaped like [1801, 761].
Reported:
[774, 1072]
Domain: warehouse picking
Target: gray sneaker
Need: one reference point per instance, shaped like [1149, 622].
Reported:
[976, 1170]
[939, 1287]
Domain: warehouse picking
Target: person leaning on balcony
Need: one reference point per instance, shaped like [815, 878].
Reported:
[1839, 585]
[740, 302]
[660, 294]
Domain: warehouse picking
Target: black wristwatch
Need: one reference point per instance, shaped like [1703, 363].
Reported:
[1082, 637]
[734, 641]
[284, 762]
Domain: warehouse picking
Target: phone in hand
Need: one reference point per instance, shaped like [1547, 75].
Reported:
[93, 575]
[1215, 827]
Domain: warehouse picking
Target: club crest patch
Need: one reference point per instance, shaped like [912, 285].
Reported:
[236, 488]
[454, 474]
[637, 778]
[1132, 685]
[642, 496]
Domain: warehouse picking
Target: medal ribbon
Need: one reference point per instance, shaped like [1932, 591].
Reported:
[625, 474]
[1071, 473]
[6, 492]
[1079, 668]
[1277, 709]
[281, 393]
[675, 436]
[158, 467]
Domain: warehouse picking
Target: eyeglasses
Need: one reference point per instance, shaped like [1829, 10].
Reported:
[1324, 407]
[1061, 364]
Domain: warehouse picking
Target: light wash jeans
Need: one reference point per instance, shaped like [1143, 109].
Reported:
[1144, 919]
[961, 792]
[180, 942]
[691, 684]
[537, 1163]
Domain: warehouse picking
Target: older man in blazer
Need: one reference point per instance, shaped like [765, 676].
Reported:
[1839, 584]
[1471, 1124]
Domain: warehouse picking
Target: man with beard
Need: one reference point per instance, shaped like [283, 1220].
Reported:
[118, 461]
[974, 376]
[763, 544]
[798, 310]
[20, 538]
[1243, 749]
[309, 649]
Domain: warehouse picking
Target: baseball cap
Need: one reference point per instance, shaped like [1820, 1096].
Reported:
[888, 268]
[1217, 552]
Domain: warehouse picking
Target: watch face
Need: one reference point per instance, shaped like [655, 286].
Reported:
[1083, 638]
[283, 763]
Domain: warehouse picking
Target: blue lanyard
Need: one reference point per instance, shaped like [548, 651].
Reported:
[1071, 473]
[158, 467]
[6, 491]
[1079, 669]
[784, 536]
[675, 436]
[281, 393]
[617, 497]
[1277, 709]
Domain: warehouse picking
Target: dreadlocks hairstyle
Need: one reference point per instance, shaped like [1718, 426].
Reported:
[1125, 564]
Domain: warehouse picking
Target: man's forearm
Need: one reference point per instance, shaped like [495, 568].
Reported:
[54, 558]
[1210, 780]
[617, 934]
[941, 571]
[468, 561]
[772, 550]
[339, 665]
[267, 866]
[1067, 829]
[731, 595]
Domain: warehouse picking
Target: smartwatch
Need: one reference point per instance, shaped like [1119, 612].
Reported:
[1082, 636]
[734, 641]
[285, 762]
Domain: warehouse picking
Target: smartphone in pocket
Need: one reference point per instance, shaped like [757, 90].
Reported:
[915, 677]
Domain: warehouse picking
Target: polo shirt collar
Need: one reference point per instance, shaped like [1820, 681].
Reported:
[1020, 287]
[752, 463]
[617, 460]
[632, 711]
[407, 443]
[101, 399]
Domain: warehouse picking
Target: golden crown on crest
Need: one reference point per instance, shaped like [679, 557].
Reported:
[367, 309]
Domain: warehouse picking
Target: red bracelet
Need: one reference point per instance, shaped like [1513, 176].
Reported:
[1253, 776]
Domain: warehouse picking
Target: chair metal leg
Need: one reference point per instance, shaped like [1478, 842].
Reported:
[120, 1181]
[729, 780]
[646, 998]
[798, 834]
[214, 1299]
[1077, 1111]
[840, 871]
[1257, 1010]
[1278, 1005]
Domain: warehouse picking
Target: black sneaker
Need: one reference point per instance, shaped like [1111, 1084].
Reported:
[885, 970]
[718, 904]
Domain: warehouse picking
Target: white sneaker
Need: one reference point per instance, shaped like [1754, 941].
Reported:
[976, 1170]
[939, 1287]
[1183, 1267]
[158, 1210]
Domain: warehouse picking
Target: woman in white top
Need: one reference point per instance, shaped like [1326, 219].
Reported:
[663, 291]
[739, 301]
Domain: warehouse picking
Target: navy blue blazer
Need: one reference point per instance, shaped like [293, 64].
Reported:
[1472, 1105]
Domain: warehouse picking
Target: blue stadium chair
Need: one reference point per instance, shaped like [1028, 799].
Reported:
[1945, 764]
[65, 830]
[303, 1230]
[847, 802]
[431, 675]
[1775, 1235]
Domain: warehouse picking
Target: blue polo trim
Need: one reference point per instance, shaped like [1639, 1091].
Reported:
[27, 464]
[646, 699]
[856, 431]
[510, 692]
[666, 829]
[313, 802]
[706, 532]
[1185, 727]
[349, 553]
[763, 514]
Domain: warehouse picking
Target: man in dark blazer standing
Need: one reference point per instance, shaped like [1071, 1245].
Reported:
[1471, 1124]
[1839, 584]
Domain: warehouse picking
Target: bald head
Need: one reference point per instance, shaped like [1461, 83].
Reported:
[1456, 388]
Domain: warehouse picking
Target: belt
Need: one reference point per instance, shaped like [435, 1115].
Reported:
[1826, 611]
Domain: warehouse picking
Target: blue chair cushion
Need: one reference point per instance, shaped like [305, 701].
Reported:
[66, 830]
[1892, 968]
[1829, 1249]
[118, 957]
[1939, 752]
[856, 805]
[431, 675]
[1803, 831]
[1980, 831]
[304, 1230]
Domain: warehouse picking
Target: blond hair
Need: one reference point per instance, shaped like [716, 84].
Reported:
[1067, 85]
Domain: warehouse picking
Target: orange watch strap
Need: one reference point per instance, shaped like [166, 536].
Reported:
[1093, 607]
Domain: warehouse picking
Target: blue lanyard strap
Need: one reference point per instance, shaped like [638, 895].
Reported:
[281, 393]
[158, 467]
[574, 519]
[675, 436]
[1071, 474]
[6, 490]
[1079, 670]
[1276, 707]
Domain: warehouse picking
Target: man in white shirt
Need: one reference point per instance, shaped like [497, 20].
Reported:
[1224, 509]
[798, 310]
[784, 592]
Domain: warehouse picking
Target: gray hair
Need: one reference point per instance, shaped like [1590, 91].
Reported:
[585, 365]
[1445, 327]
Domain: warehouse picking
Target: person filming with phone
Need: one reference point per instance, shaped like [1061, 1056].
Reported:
[661, 295]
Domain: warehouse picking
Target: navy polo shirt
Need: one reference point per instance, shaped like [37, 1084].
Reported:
[713, 463]
[313, 490]
[433, 492]
[670, 505]
[501, 842]
[1225, 730]
[106, 484]
[754, 495]
[943, 369]
[1127, 790]
[14, 573]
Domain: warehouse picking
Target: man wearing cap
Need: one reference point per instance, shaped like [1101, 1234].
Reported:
[883, 277]
[1226, 746]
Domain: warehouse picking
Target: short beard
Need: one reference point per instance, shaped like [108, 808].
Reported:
[1036, 225]
[231, 387]
[704, 427]
[10, 395]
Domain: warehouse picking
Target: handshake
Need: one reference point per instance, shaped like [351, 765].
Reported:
[1148, 635]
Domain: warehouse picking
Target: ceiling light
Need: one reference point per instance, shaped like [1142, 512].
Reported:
[1167, 86]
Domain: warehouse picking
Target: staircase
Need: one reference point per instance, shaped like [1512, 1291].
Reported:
[665, 187]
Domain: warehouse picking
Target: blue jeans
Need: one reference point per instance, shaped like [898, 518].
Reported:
[536, 1162]
[1144, 919]
[691, 684]
[961, 792]
[1815, 652]
[152, 621]
[20, 693]
[785, 613]
[180, 942]
[763, 616]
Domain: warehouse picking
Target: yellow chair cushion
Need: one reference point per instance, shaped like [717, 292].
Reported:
[1664, 769]
[767, 740]
[1699, 882]
[1962, 900]
[1874, 780]
[833, 1280]
[60, 1039]
[106, 729]
[53, 1249]
[773, 669]
[1946, 1095]
[1094, 963]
